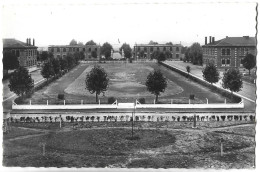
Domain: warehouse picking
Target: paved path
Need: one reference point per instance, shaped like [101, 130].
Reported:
[248, 91]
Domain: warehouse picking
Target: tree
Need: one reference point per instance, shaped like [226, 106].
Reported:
[70, 60]
[73, 42]
[249, 62]
[56, 66]
[21, 82]
[168, 54]
[155, 55]
[169, 43]
[44, 56]
[80, 43]
[97, 81]
[47, 70]
[106, 50]
[196, 54]
[232, 80]
[156, 83]
[94, 54]
[152, 43]
[91, 42]
[210, 73]
[127, 50]
[161, 57]
[63, 64]
[10, 61]
[188, 69]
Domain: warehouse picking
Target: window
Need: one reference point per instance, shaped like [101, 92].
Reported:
[89, 49]
[95, 49]
[64, 49]
[170, 48]
[177, 48]
[151, 48]
[225, 52]
[58, 49]
[70, 49]
[17, 53]
[73, 49]
[241, 62]
[138, 49]
[84, 49]
[158, 48]
[225, 62]
[64, 56]
[177, 55]
[145, 49]
[58, 56]
[52, 49]
[164, 48]
[77, 49]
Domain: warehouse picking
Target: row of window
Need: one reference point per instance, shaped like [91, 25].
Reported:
[226, 62]
[158, 49]
[27, 52]
[71, 49]
[31, 62]
[226, 51]
[209, 51]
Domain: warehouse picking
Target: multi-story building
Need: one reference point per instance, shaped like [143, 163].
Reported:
[144, 51]
[25, 52]
[60, 51]
[228, 52]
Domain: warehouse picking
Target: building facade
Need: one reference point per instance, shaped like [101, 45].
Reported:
[25, 52]
[228, 52]
[144, 51]
[60, 51]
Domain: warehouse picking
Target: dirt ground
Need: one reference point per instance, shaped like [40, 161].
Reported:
[157, 147]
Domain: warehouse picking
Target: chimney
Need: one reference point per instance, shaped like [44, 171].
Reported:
[247, 37]
[213, 40]
[226, 36]
[26, 41]
[206, 41]
[29, 41]
[210, 39]
[33, 42]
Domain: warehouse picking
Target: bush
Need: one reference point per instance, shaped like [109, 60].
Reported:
[141, 100]
[192, 96]
[111, 100]
[61, 96]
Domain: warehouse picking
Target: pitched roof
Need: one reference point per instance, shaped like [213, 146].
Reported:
[13, 43]
[158, 45]
[234, 41]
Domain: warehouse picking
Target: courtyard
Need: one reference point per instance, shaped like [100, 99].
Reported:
[127, 83]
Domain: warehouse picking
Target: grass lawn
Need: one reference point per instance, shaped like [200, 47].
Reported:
[16, 132]
[111, 148]
[127, 83]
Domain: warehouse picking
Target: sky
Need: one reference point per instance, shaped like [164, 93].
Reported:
[58, 22]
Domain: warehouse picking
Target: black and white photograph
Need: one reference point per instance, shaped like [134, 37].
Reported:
[128, 84]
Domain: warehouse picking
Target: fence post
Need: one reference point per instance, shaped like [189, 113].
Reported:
[189, 101]
[64, 102]
[171, 101]
[99, 101]
[81, 102]
[225, 101]
[47, 102]
[207, 101]
[30, 102]
[60, 121]
[154, 101]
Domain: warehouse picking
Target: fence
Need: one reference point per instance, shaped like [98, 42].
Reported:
[136, 105]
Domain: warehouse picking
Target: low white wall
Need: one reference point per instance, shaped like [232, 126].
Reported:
[89, 106]
[138, 106]
[192, 106]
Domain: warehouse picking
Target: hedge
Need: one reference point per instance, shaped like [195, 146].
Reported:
[213, 88]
